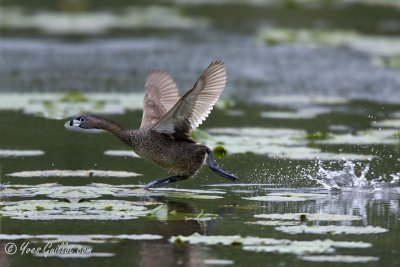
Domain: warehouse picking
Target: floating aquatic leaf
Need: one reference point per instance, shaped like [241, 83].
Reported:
[390, 123]
[195, 191]
[80, 238]
[99, 22]
[75, 255]
[4, 153]
[189, 193]
[217, 262]
[304, 100]
[280, 143]
[89, 210]
[368, 137]
[306, 247]
[274, 223]
[61, 106]
[73, 173]
[376, 45]
[121, 153]
[331, 229]
[258, 244]
[193, 196]
[239, 185]
[290, 196]
[339, 258]
[76, 193]
[225, 240]
[305, 113]
[309, 217]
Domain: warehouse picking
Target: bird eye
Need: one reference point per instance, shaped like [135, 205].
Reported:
[82, 119]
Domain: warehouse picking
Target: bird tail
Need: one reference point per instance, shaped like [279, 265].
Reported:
[212, 163]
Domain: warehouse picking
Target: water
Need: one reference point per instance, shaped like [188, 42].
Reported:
[310, 126]
[347, 178]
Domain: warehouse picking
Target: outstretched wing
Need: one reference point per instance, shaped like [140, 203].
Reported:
[193, 108]
[161, 95]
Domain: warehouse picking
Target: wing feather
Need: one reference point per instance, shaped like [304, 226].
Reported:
[161, 95]
[194, 107]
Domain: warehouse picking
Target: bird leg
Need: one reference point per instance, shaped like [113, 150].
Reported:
[168, 180]
[212, 163]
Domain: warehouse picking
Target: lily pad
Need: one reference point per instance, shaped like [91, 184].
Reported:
[331, 229]
[90, 210]
[309, 217]
[307, 247]
[291, 196]
[339, 258]
[376, 45]
[304, 113]
[73, 173]
[61, 106]
[76, 193]
[258, 244]
[238, 185]
[276, 143]
[217, 262]
[121, 153]
[368, 137]
[195, 191]
[389, 123]
[4, 153]
[81, 238]
[274, 223]
[100, 22]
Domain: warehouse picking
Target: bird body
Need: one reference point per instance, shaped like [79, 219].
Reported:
[179, 158]
[164, 136]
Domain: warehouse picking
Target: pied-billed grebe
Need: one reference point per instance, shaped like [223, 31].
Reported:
[164, 136]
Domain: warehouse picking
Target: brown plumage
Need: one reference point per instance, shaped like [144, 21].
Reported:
[164, 136]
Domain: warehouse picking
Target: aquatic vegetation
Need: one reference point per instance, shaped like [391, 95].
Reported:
[238, 185]
[309, 217]
[331, 229]
[392, 61]
[388, 123]
[274, 223]
[200, 217]
[307, 247]
[290, 196]
[73, 173]
[377, 45]
[188, 193]
[98, 22]
[60, 106]
[219, 151]
[20, 153]
[121, 153]
[367, 137]
[318, 136]
[257, 244]
[74, 194]
[217, 262]
[86, 210]
[304, 113]
[339, 258]
[276, 143]
[98, 238]
[305, 101]
[181, 190]
[73, 96]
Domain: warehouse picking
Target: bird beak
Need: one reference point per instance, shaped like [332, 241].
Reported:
[74, 123]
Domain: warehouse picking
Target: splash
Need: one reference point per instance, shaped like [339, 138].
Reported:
[346, 178]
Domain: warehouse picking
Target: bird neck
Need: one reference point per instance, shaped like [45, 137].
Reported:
[116, 129]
